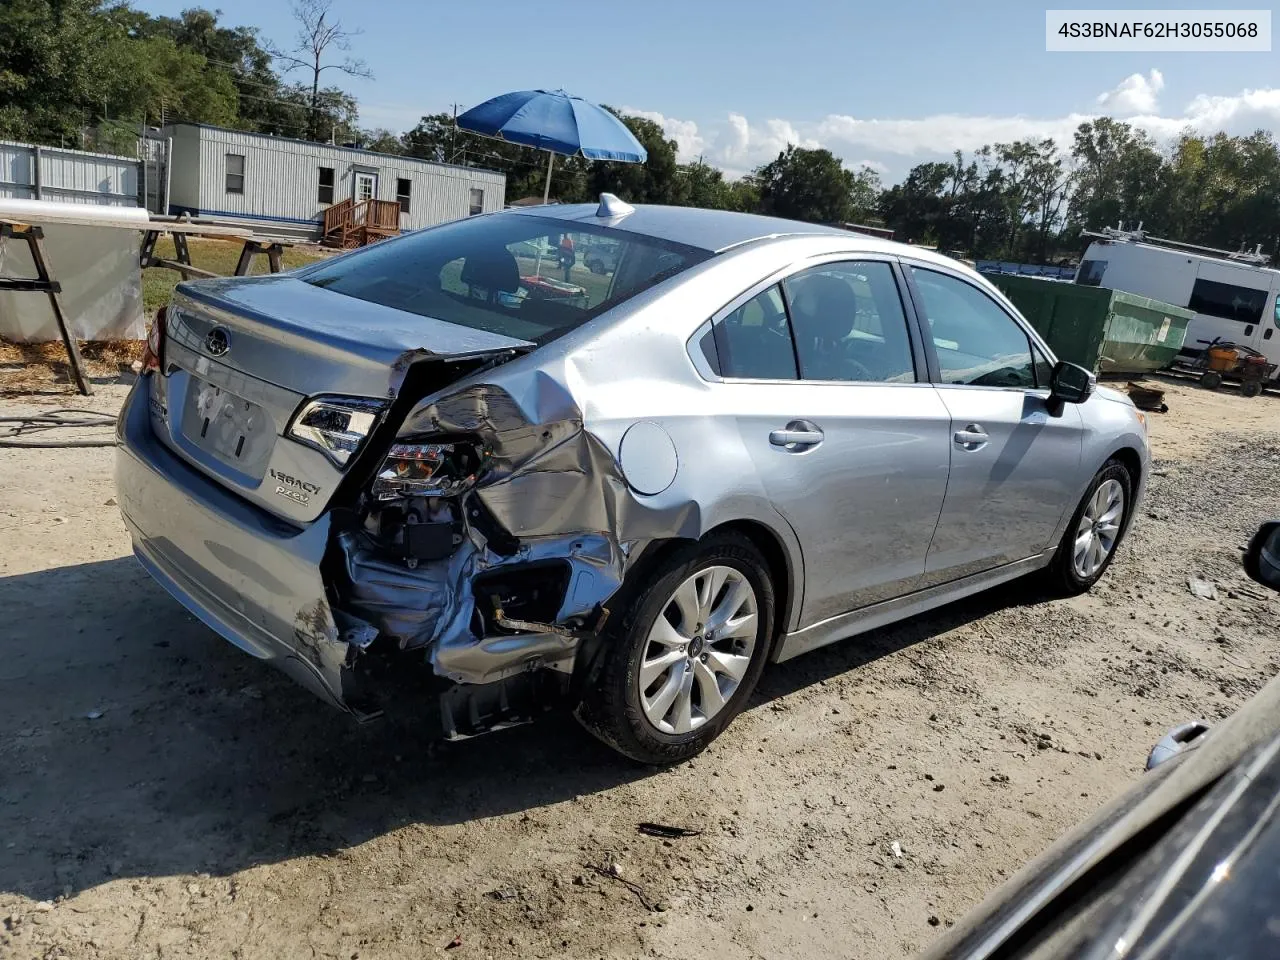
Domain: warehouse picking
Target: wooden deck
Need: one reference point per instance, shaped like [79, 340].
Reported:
[351, 224]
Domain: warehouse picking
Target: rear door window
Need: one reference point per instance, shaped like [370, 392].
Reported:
[977, 343]
[849, 323]
[754, 342]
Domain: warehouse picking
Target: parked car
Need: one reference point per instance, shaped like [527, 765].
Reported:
[761, 437]
[601, 258]
[1183, 865]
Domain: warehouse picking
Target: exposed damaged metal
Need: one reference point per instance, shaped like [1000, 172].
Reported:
[452, 551]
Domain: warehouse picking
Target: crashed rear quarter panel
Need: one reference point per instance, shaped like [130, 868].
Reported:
[556, 420]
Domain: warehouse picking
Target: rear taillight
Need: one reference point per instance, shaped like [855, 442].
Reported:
[336, 426]
[153, 353]
[427, 470]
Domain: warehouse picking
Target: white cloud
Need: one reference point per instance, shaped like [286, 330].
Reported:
[939, 134]
[1134, 94]
[878, 166]
[737, 146]
[890, 145]
[689, 143]
[744, 147]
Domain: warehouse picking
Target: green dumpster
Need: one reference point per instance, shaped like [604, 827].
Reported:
[1107, 331]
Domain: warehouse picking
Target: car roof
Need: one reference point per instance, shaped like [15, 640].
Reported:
[711, 230]
[719, 230]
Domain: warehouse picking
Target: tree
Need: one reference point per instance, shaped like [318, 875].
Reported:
[317, 35]
[382, 140]
[865, 193]
[1118, 174]
[155, 77]
[805, 184]
[653, 181]
[54, 58]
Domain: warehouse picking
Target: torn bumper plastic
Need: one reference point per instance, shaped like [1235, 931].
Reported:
[252, 579]
[438, 606]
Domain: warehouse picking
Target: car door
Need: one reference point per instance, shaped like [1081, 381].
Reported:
[1014, 456]
[831, 400]
[1231, 304]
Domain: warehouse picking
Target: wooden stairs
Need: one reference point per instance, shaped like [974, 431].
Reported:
[352, 223]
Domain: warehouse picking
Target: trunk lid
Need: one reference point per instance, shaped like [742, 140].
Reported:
[242, 355]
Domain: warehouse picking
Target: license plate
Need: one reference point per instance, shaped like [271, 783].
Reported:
[231, 428]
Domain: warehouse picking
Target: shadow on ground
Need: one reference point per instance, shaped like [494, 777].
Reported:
[137, 743]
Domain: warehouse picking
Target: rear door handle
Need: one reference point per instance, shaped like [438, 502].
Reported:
[971, 437]
[798, 435]
[1248, 331]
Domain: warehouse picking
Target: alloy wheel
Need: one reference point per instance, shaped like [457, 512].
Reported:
[1098, 530]
[698, 649]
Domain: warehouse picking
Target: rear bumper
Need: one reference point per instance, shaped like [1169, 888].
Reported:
[251, 578]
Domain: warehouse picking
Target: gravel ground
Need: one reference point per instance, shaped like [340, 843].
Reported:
[162, 795]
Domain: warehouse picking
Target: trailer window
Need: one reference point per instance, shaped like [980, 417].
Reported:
[325, 192]
[402, 193]
[1091, 272]
[1226, 300]
[235, 173]
[477, 201]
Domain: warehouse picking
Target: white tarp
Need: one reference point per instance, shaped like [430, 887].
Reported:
[93, 252]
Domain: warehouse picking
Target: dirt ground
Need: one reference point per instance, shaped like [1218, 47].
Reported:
[163, 795]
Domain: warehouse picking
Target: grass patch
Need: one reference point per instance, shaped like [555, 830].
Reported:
[216, 256]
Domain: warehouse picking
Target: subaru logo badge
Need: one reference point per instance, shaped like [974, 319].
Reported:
[218, 341]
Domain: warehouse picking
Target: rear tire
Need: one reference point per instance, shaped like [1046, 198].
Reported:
[680, 664]
[1092, 537]
[1251, 388]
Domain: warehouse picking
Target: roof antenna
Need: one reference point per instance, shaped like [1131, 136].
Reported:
[611, 206]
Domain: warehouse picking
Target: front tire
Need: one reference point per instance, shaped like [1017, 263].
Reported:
[686, 653]
[1089, 543]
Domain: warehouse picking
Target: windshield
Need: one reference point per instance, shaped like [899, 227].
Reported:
[533, 278]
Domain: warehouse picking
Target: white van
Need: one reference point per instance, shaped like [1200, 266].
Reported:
[1233, 295]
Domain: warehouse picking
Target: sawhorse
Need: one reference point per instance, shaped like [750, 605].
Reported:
[272, 248]
[45, 282]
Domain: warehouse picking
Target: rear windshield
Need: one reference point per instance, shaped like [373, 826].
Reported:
[528, 277]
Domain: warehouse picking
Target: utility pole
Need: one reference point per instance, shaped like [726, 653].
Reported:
[453, 143]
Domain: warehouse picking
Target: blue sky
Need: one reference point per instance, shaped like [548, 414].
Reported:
[889, 84]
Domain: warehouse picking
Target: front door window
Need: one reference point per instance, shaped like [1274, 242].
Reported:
[366, 186]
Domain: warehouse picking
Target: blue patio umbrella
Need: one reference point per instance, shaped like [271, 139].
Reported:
[555, 122]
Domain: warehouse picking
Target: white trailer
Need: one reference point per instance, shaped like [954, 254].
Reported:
[1234, 295]
[274, 182]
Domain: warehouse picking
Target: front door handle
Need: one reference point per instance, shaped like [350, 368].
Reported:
[1267, 335]
[797, 436]
[1248, 331]
[971, 437]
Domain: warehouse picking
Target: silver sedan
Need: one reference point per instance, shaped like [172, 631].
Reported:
[507, 482]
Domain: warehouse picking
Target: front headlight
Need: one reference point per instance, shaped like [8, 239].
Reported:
[336, 426]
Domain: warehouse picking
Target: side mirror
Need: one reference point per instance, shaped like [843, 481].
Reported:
[1262, 558]
[1175, 741]
[1071, 383]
